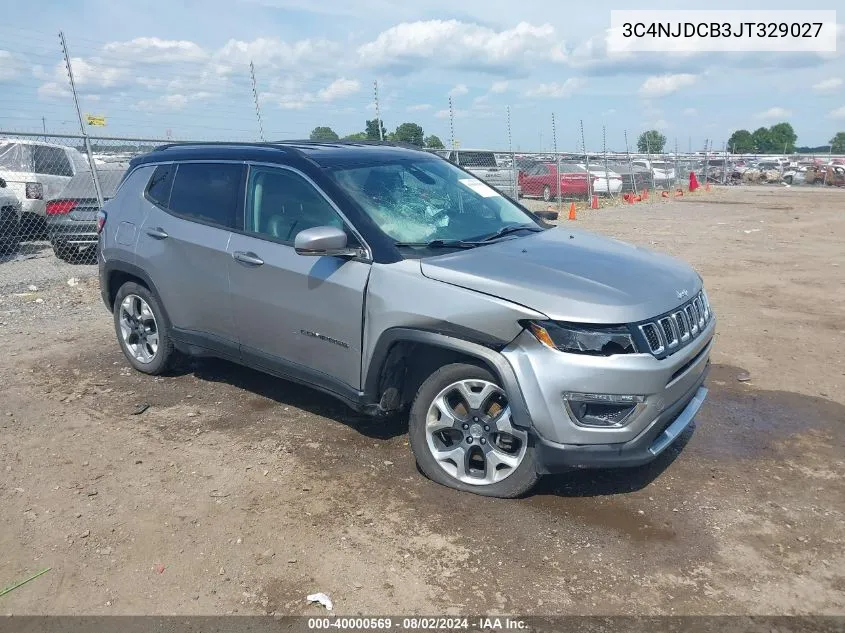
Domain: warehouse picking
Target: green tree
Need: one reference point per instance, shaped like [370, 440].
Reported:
[762, 140]
[433, 142]
[741, 142]
[323, 133]
[409, 133]
[356, 136]
[651, 141]
[837, 143]
[782, 138]
[372, 130]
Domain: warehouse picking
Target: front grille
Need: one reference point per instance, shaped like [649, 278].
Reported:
[668, 333]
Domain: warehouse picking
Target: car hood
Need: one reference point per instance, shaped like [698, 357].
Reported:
[571, 275]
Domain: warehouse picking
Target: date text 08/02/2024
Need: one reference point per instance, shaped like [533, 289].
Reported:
[418, 623]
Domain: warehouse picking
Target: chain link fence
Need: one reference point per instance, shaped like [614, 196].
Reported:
[49, 203]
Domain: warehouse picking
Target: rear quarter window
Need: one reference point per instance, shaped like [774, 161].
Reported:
[158, 189]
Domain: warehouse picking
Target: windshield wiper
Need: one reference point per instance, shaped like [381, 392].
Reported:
[512, 228]
[438, 244]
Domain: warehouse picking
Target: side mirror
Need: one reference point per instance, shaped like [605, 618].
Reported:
[323, 241]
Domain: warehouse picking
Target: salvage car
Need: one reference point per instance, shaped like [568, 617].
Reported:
[35, 171]
[10, 211]
[72, 215]
[396, 281]
[548, 180]
[483, 165]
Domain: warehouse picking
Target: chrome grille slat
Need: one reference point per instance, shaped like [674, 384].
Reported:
[668, 333]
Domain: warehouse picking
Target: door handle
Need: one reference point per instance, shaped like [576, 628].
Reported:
[157, 233]
[250, 259]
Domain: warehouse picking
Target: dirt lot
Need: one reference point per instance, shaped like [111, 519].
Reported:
[238, 493]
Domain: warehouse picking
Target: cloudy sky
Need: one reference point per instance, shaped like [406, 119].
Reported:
[183, 66]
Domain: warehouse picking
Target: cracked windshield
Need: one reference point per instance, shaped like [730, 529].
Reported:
[421, 201]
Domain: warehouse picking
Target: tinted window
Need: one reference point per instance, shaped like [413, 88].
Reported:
[52, 161]
[281, 203]
[207, 192]
[158, 191]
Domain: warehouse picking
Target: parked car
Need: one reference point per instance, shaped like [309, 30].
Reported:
[72, 215]
[663, 173]
[542, 179]
[483, 165]
[634, 178]
[395, 281]
[10, 211]
[605, 181]
[36, 171]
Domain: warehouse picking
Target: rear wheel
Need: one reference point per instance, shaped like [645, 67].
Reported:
[462, 434]
[142, 329]
[547, 193]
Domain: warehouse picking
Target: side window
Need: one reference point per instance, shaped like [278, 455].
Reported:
[207, 192]
[158, 190]
[51, 161]
[281, 203]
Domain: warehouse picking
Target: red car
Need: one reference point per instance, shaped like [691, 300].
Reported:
[542, 180]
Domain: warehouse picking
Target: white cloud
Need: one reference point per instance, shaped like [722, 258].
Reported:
[53, 90]
[463, 45]
[660, 124]
[275, 53]
[338, 89]
[774, 113]
[10, 66]
[662, 85]
[458, 114]
[420, 107]
[499, 87]
[828, 85]
[690, 111]
[557, 90]
[839, 113]
[153, 50]
[459, 89]
[293, 98]
[169, 102]
[609, 112]
[89, 72]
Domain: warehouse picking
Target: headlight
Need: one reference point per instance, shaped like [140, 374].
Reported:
[596, 340]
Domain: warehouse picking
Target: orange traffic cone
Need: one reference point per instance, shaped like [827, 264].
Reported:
[679, 193]
[571, 210]
[594, 203]
[638, 198]
[664, 194]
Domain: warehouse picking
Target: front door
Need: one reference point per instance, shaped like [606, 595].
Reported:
[295, 313]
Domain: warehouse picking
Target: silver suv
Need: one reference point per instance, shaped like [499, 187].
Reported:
[396, 281]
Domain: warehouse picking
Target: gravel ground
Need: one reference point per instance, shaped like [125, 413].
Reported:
[239, 493]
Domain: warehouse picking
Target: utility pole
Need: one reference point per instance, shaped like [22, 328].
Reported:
[255, 97]
[451, 122]
[85, 138]
[44, 126]
[586, 162]
[510, 141]
[378, 112]
[630, 164]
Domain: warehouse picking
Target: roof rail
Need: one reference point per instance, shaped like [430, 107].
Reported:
[212, 143]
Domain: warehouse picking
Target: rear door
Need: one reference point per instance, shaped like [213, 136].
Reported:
[183, 246]
[295, 313]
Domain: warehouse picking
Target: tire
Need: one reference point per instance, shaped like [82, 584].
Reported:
[547, 215]
[547, 193]
[502, 473]
[137, 343]
[788, 180]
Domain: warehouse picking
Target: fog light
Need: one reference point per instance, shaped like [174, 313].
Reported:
[603, 410]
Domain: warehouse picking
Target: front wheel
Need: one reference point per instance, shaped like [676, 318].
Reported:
[547, 193]
[462, 434]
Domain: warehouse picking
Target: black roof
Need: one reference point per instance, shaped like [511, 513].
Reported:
[320, 153]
